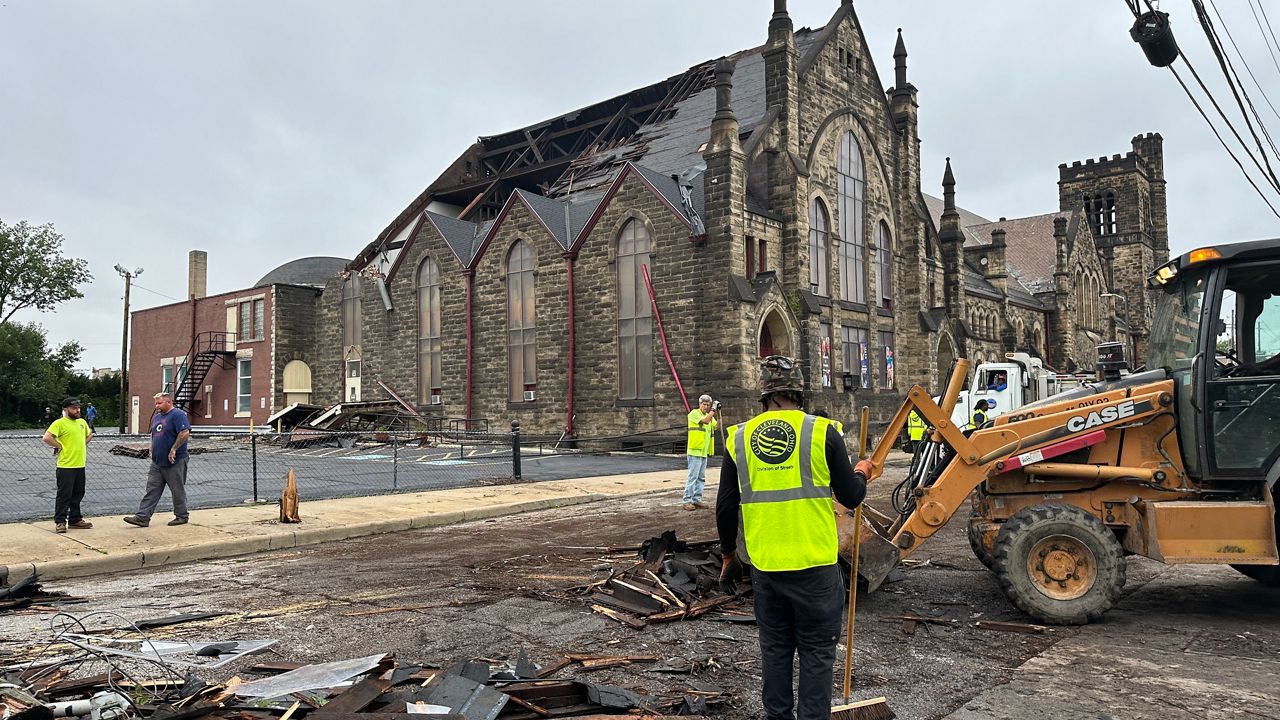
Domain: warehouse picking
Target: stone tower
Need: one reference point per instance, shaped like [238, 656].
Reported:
[1123, 201]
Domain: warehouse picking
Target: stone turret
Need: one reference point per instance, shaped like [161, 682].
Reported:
[951, 238]
[725, 180]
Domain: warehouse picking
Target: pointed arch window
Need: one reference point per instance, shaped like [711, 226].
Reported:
[351, 324]
[635, 314]
[884, 265]
[852, 208]
[429, 349]
[819, 247]
[522, 330]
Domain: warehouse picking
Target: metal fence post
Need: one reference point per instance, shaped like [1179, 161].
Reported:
[395, 463]
[253, 444]
[515, 449]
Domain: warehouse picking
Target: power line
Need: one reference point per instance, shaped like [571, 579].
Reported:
[155, 292]
[1236, 88]
[1243, 61]
[1224, 142]
[1264, 34]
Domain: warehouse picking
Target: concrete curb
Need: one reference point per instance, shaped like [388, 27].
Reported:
[287, 536]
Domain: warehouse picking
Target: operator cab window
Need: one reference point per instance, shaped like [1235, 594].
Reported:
[1244, 388]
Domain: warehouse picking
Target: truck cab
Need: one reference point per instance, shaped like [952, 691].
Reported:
[1007, 386]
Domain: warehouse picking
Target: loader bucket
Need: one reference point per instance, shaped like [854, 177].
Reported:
[877, 556]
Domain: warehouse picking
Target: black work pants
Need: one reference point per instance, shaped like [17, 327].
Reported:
[798, 612]
[70, 493]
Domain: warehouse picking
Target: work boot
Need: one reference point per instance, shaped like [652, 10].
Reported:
[690, 506]
[81, 524]
[60, 527]
[177, 521]
[137, 521]
[699, 504]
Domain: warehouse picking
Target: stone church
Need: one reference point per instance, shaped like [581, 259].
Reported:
[583, 274]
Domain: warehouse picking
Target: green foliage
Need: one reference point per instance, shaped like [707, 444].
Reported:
[33, 378]
[33, 271]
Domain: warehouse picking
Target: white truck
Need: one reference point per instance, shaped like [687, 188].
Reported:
[1025, 380]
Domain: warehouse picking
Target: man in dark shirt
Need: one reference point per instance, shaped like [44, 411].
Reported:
[789, 532]
[170, 429]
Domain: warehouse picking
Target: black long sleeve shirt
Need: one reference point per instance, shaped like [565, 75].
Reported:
[848, 487]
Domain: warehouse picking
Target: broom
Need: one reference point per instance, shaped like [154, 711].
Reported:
[875, 708]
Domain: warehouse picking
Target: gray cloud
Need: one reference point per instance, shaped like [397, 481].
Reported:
[262, 132]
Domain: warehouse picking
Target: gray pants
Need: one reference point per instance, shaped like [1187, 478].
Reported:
[158, 478]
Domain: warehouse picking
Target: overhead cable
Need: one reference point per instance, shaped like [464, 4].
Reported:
[1237, 89]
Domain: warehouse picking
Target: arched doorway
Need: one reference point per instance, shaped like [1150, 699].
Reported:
[775, 336]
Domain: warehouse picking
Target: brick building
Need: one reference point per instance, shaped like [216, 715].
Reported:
[766, 202]
[231, 358]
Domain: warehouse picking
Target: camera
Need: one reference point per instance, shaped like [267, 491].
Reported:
[715, 406]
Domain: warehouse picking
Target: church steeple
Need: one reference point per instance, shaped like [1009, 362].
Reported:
[781, 29]
[900, 62]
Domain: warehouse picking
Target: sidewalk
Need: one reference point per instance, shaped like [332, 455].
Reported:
[113, 546]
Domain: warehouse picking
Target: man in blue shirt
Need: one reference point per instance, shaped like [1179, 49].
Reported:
[169, 432]
[91, 416]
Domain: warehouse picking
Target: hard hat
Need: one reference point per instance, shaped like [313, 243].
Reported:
[780, 373]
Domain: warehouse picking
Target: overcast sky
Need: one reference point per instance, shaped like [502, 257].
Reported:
[267, 131]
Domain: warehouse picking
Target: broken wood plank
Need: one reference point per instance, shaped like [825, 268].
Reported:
[604, 663]
[1011, 626]
[931, 620]
[622, 604]
[579, 657]
[536, 709]
[630, 621]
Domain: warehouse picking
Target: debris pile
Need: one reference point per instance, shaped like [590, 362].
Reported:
[672, 580]
[119, 673]
[28, 595]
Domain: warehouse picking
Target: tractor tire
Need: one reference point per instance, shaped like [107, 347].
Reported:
[1268, 575]
[1059, 564]
[980, 552]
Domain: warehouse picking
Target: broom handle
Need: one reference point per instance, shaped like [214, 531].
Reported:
[865, 422]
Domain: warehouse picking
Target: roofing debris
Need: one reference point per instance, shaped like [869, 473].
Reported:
[28, 596]
[672, 580]
[374, 687]
[143, 450]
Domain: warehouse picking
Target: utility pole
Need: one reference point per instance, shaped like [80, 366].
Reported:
[124, 342]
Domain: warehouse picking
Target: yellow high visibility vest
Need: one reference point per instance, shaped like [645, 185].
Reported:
[979, 418]
[702, 438]
[915, 426]
[788, 516]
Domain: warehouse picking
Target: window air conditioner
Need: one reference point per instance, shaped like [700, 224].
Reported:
[530, 395]
[436, 400]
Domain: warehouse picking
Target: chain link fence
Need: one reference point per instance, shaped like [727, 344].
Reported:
[231, 468]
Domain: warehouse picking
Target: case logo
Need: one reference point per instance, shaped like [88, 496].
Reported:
[1102, 417]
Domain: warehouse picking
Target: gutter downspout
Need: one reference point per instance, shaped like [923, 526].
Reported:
[468, 276]
[568, 421]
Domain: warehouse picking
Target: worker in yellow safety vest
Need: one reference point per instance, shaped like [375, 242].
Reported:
[979, 414]
[915, 431]
[702, 422]
[780, 470]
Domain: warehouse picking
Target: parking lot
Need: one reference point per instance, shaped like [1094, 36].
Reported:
[223, 468]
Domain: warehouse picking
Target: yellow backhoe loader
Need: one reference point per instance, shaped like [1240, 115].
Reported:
[1177, 463]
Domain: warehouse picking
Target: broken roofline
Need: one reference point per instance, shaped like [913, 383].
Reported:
[520, 139]
[513, 140]
[575, 243]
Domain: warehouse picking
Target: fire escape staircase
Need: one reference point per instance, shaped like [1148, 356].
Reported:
[207, 349]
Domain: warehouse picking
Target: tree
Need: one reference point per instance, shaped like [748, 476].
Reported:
[33, 270]
[32, 377]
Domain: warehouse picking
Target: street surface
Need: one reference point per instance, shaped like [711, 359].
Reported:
[1184, 643]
